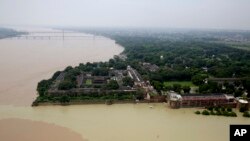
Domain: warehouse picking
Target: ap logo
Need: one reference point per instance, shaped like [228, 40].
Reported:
[239, 132]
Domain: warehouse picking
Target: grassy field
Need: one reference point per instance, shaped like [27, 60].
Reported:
[182, 83]
[88, 82]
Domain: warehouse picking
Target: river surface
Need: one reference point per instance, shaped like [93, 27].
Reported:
[23, 63]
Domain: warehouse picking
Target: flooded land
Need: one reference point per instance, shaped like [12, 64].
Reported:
[24, 62]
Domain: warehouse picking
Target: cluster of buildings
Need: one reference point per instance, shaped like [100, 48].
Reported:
[86, 83]
[205, 100]
[150, 67]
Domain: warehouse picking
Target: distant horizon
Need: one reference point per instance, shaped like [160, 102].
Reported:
[179, 14]
[125, 27]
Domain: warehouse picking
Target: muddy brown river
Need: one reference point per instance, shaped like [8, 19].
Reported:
[23, 63]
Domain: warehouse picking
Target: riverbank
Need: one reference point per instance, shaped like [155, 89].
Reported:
[85, 102]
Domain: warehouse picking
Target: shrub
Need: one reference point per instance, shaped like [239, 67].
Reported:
[197, 112]
[217, 109]
[65, 99]
[205, 112]
[246, 114]
[243, 109]
[212, 113]
[229, 109]
[218, 113]
[232, 114]
[210, 108]
[225, 113]
[222, 109]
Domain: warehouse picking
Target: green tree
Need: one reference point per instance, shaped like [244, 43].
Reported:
[55, 75]
[43, 86]
[121, 65]
[198, 79]
[157, 85]
[246, 114]
[167, 88]
[68, 68]
[66, 85]
[64, 99]
[186, 89]
[214, 87]
[197, 112]
[205, 112]
[246, 85]
[238, 93]
[177, 88]
[112, 85]
[204, 88]
[127, 81]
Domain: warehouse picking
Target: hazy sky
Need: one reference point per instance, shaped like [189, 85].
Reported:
[229, 14]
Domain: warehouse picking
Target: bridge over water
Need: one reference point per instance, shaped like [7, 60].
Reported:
[50, 35]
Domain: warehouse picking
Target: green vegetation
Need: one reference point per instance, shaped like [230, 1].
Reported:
[177, 86]
[229, 109]
[112, 85]
[246, 114]
[127, 81]
[219, 111]
[185, 56]
[185, 59]
[205, 112]
[103, 88]
[198, 112]
[66, 85]
[243, 109]
[198, 79]
[65, 99]
[182, 83]
[44, 85]
[88, 82]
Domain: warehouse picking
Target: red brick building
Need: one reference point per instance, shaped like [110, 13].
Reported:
[200, 100]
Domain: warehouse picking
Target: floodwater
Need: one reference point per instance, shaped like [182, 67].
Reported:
[25, 62]
[27, 130]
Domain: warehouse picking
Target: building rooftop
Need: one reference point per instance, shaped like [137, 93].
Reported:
[243, 101]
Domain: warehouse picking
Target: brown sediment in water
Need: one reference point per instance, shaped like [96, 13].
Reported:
[23, 63]
[26, 130]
